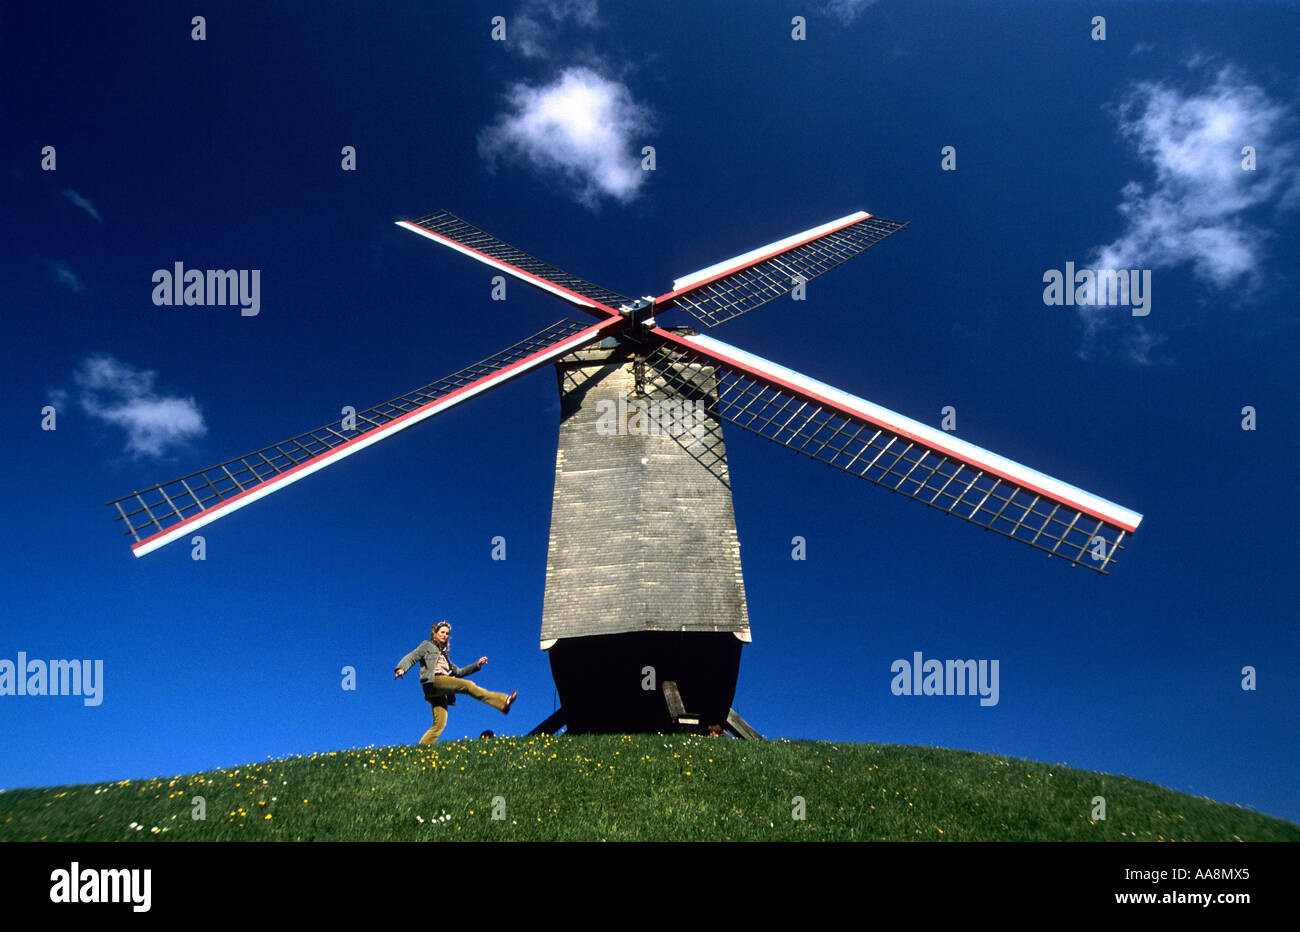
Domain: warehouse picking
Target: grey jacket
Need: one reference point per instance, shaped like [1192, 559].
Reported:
[427, 655]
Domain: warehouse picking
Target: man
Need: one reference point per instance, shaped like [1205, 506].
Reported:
[442, 680]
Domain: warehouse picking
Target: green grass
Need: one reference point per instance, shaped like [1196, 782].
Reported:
[633, 788]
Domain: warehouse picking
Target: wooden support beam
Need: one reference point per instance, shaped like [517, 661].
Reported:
[741, 728]
[676, 708]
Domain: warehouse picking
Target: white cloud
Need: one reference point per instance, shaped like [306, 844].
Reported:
[1199, 207]
[1193, 211]
[82, 202]
[582, 128]
[541, 26]
[66, 276]
[115, 393]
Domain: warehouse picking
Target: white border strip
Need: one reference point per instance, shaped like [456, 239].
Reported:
[939, 440]
[730, 265]
[162, 538]
[554, 289]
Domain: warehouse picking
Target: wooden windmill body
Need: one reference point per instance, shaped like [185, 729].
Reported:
[643, 573]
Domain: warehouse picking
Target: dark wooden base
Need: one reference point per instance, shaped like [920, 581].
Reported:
[614, 684]
[734, 724]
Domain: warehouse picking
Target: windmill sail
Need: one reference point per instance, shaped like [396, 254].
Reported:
[449, 230]
[162, 513]
[899, 453]
[738, 285]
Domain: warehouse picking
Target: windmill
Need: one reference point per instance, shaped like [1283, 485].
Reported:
[645, 615]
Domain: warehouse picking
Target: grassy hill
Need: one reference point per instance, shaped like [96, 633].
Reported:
[633, 788]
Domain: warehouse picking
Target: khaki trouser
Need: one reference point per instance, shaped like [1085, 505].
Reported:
[444, 686]
[439, 723]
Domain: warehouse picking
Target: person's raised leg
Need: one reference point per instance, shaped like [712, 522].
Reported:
[455, 684]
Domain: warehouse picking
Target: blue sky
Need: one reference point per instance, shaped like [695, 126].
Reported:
[226, 153]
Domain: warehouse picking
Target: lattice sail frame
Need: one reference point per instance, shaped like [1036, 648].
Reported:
[736, 286]
[948, 474]
[160, 514]
[446, 228]
[1063, 522]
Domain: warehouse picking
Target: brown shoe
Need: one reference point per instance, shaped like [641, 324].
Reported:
[510, 700]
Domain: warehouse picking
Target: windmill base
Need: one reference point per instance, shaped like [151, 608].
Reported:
[734, 724]
[619, 683]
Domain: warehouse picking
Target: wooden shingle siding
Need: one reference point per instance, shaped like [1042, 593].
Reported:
[643, 535]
